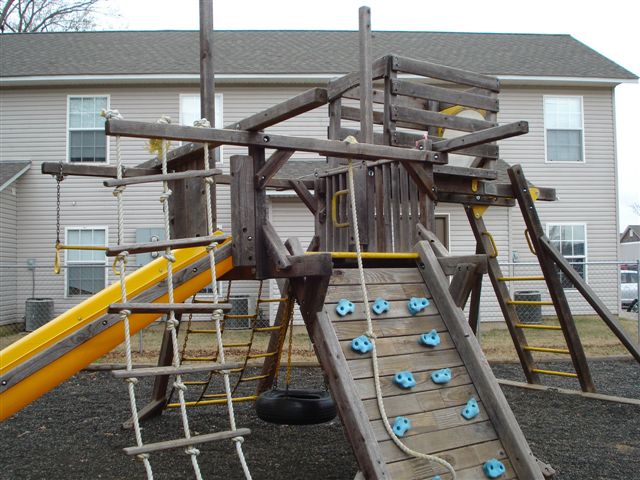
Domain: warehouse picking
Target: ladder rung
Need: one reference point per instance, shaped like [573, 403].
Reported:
[251, 379]
[520, 279]
[186, 442]
[198, 359]
[530, 302]
[538, 327]
[268, 329]
[161, 177]
[170, 370]
[240, 316]
[162, 245]
[261, 355]
[203, 331]
[167, 307]
[218, 401]
[236, 345]
[547, 349]
[195, 382]
[554, 372]
[272, 300]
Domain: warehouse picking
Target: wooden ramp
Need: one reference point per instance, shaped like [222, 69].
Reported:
[434, 410]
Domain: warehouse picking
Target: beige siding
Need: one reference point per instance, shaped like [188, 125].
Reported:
[8, 256]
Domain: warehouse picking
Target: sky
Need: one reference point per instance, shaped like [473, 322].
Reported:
[609, 28]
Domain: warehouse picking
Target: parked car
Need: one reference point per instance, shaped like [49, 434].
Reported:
[628, 287]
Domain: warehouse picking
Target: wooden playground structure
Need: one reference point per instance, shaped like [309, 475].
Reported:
[374, 237]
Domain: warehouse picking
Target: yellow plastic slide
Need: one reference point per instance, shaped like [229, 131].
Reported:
[17, 360]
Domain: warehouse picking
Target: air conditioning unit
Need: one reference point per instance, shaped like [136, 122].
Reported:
[239, 306]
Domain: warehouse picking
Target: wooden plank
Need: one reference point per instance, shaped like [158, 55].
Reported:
[272, 166]
[389, 326]
[335, 123]
[308, 198]
[381, 245]
[462, 283]
[367, 390]
[301, 266]
[352, 414]
[424, 119]
[441, 94]
[414, 217]
[400, 345]
[461, 458]
[551, 275]
[395, 205]
[388, 220]
[403, 224]
[162, 178]
[186, 442]
[389, 292]
[477, 366]
[135, 248]
[243, 220]
[362, 203]
[307, 100]
[366, 83]
[432, 421]
[362, 368]
[84, 170]
[335, 88]
[441, 441]
[217, 137]
[492, 134]
[591, 297]
[139, 307]
[407, 403]
[449, 74]
[472, 473]
[275, 247]
[171, 370]
[351, 276]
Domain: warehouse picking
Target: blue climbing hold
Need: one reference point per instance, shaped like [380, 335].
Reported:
[361, 344]
[380, 306]
[344, 307]
[416, 305]
[431, 339]
[471, 410]
[441, 376]
[493, 468]
[437, 477]
[404, 379]
[401, 425]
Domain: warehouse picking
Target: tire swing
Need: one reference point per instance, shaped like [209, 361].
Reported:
[294, 407]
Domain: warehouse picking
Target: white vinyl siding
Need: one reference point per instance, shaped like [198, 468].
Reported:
[85, 269]
[564, 128]
[570, 239]
[86, 138]
[190, 113]
[8, 256]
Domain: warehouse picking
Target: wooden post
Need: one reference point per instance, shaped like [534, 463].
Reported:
[366, 83]
[207, 83]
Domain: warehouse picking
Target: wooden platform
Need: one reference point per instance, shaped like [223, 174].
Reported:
[434, 410]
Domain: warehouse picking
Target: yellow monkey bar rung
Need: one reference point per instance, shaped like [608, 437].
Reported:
[547, 350]
[554, 372]
[538, 327]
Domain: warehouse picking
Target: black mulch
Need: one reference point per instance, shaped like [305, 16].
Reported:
[74, 432]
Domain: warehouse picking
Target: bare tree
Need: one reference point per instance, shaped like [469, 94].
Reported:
[20, 16]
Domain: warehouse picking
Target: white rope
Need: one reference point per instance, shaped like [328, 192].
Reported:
[172, 321]
[120, 266]
[217, 314]
[371, 335]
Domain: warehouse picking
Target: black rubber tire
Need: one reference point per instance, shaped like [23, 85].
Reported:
[296, 407]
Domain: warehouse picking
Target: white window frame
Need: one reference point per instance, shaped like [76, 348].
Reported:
[586, 242]
[66, 256]
[584, 152]
[219, 112]
[107, 142]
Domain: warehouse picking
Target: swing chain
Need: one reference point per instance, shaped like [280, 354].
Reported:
[59, 178]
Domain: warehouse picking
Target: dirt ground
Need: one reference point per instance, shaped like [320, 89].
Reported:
[74, 432]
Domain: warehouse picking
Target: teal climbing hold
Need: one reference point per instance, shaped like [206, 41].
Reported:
[441, 376]
[401, 426]
[471, 409]
[437, 477]
[380, 306]
[361, 344]
[404, 379]
[493, 468]
[416, 305]
[345, 307]
[430, 339]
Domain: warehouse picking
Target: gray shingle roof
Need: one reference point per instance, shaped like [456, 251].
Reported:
[11, 171]
[298, 52]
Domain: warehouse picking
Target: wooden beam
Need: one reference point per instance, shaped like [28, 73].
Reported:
[275, 247]
[307, 100]
[308, 198]
[84, 170]
[366, 83]
[171, 370]
[186, 442]
[161, 178]
[273, 165]
[335, 88]
[243, 220]
[217, 137]
[135, 248]
[425, 119]
[449, 74]
[139, 307]
[477, 138]
[207, 78]
[455, 97]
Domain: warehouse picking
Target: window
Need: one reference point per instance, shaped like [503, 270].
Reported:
[563, 127]
[190, 112]
[86, 272]
[87, 140]
[571, 241]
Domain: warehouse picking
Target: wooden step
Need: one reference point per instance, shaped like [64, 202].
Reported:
[160, 246]
[162, 177]
[170, 370]
[186, 442]
[167, 307]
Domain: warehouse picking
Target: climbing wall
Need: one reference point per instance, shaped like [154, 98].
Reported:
[434, 410]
